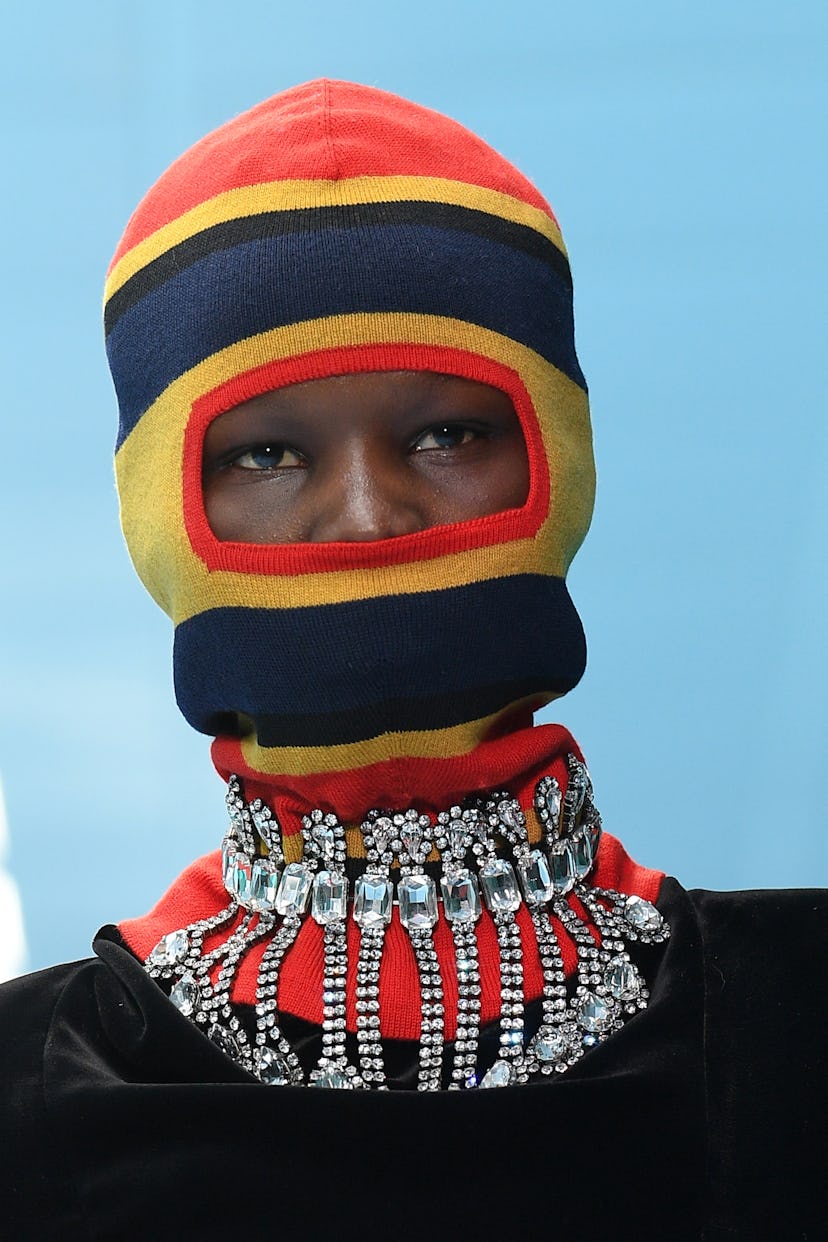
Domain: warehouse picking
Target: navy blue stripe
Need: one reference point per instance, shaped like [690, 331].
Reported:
[439, 712]
[264, 284]
[305, 219]
[340, 673]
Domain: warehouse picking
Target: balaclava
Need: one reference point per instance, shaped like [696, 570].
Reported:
[332, 230]
[336, 229]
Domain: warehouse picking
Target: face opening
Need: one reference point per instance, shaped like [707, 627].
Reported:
[391, 542]
[362, 457]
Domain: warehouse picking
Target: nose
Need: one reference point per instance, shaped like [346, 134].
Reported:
[367, 497]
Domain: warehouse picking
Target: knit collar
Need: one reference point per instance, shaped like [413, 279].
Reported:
[513, 763]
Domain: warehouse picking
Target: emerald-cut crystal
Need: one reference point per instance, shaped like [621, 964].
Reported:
[500, 886]
[418, 901]
[272, 1068]
[264, 884]
[185, 996]
[330, 897]
[500, 1075]
[332, 1078]
[535, 878]
[372, 901]
[594, 1014]
[621, 979]
[238, 878]
[461, 897]
[642, 915]
[582, 854]
[170, 949]
[562, 863]
[228, 856]
[294, 890]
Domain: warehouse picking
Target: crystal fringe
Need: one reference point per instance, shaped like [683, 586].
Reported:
[270, 899]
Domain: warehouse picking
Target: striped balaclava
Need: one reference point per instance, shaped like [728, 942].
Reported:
[330, 230]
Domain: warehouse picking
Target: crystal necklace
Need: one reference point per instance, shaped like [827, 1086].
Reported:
[485, 858]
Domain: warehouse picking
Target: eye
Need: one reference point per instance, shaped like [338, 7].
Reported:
[444, 436]
[268, 457]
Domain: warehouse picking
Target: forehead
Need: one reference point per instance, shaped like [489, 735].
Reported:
[372, 401]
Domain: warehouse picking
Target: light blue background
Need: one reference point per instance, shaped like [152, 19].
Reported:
[682, 146]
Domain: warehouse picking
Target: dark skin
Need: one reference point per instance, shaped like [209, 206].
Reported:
[362, 457]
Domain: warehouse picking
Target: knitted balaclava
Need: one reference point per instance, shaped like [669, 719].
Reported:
[330, 230]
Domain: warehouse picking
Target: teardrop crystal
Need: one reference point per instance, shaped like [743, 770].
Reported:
[323, 838]
[272, 1068]
[382, 830]
[621, 979]
[333, 1079]
[500, 1075]
[170, 949]
[642, 915]
[185, 996]
[594, 1014]
[225, 1040]
[548, 1045]
[411, 836]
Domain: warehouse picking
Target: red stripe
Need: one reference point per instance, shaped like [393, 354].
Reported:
[514, 761]
[331, 131]
[301, 558]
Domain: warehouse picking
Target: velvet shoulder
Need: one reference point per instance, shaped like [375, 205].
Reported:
[26, 1008]
[766, 1012]
[33, 1165]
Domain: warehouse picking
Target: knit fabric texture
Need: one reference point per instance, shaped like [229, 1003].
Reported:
[330, 230]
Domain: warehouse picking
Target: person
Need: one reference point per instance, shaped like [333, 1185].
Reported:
[419, 991]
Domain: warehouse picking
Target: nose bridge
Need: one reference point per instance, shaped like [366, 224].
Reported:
[364, 496]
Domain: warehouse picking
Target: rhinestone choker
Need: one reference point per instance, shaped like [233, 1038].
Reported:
[485, 858]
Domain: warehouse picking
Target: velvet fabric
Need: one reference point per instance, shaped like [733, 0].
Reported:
[703, 1118]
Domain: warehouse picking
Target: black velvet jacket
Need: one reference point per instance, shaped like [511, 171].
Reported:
[705, 1117]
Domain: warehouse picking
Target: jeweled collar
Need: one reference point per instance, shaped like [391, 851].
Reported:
[466, 890]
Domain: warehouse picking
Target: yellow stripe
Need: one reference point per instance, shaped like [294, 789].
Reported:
[148, 467]
[289, 195]
[435, 744]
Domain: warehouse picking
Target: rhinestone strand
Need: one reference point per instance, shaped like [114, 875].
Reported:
[502, 896]
[462, 908]
[325, 840]
[274, 1061]
[541, 883]
[372, 914]
[538, 888]
[417, 894]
